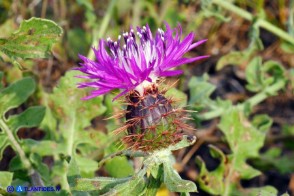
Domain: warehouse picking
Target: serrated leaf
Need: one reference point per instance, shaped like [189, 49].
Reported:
[11, 97]
[244, 140]
[174, 182]
[32, 40]
[72, 122]
[74, 119]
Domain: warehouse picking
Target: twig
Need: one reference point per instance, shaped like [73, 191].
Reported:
[261, 22]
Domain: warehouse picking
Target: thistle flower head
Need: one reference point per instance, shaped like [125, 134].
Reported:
[133, 64]
[136, 60]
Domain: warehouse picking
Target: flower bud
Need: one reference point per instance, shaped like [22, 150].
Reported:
[152, 122]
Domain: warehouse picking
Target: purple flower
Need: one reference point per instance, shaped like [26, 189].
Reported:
[136, 64]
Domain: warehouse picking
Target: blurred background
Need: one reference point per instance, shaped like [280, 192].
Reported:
[233, 41]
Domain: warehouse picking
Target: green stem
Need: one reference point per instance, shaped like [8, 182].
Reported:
[102, 28]
[228, 180]
[256, 99]
[69, 152]
[34, 175]
[212, 114]
[71, 134]
[123, 153]
[261, 22]
[15, 145]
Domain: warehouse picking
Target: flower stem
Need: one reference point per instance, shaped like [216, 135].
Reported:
[261, 22]
[102, 28]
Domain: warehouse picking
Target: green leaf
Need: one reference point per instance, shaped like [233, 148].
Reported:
[135, 186]
[200, 90]
[104, 184]
[154, 180]
[174, 182]
[16, 94]
[74, 119]
[185, 142]
[5, 179]
[86, 165]
[42, 148]
[287, 47]
[254, 75]
[72, 124]
[42, 168]
[32, 40]
[125, 169]
[259, 75]
[112, 186]
[11, 97]
[234, 58]
[266, 190]
[212, 182]
[262, 122]
[244, 140]
[31, 117]
[273, 159]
